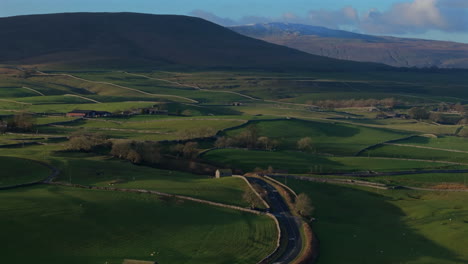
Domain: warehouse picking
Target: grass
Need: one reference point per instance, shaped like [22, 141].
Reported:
[441, 142]
[102, 171]
[18, 171]
[377, 226]
[156, 129]
[335, 138]
[408, 152]
[86, 226]
[428, 180]
[299, 162]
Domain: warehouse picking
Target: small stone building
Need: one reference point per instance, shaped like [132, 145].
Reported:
[223, 173]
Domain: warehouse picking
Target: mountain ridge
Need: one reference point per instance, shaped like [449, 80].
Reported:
[158, 40]
[340, 44]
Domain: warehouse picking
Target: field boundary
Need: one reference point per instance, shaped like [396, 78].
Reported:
[54, 173]
[120, 86]
[423, 147]
[373, 185]
[357, 154]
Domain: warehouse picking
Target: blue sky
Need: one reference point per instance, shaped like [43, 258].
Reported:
[432, 19]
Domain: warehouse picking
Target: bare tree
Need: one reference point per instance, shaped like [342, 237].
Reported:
[303, 205]
[190, 150]
[134, 156]
[305, 144]
[264, 142]
[251, 198]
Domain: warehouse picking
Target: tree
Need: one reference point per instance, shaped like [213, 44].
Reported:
[85, 141]
[305, 144]
[221, 142]
[252, 135]
[251, 198]
[459, 108]
[303, 205]
[120, 149]
[419, 113]
[3, 126]
[21, 122]
[264, 142]
[134, 156]
[149, 151]
[190, 150]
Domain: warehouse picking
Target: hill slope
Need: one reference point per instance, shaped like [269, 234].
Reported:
[399, 52]
[142, 39]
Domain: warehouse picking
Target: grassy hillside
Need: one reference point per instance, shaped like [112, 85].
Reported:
[327, 137]
[128, 39]
[299, 162]
[376, 226]
[18, 171]
[84, 226]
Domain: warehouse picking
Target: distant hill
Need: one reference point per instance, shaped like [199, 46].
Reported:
[339, 44]
[127, 39]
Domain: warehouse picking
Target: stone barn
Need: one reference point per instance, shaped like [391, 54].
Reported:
[223, 173]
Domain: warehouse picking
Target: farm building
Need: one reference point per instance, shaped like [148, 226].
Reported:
[88, 113]
[223, 173]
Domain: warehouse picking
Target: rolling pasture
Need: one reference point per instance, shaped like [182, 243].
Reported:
[19, 171]
[381, 226]
[300, 163]
[354, 225]
[86, 226]
[103, 171]
[327, 137]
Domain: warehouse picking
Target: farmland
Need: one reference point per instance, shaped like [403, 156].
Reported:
[410, 226]
[176, 149]
[19, 171]
[79, 224]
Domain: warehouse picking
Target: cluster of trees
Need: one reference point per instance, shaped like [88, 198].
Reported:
[18, 123]
[421, 113]
[249, 138]
[331, 104]
[445, 107]
[188, 150]
[86, 141]
[136, 152]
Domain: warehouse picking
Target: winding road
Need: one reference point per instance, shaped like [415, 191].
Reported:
[290, 226]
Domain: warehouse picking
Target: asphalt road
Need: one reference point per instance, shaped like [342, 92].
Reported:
[288, 223]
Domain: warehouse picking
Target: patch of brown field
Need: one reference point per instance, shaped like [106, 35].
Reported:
[8, 71]
[450, 186]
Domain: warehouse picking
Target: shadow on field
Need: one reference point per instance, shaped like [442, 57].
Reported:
[356, 226]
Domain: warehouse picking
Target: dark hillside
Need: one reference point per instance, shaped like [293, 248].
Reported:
[78, 38]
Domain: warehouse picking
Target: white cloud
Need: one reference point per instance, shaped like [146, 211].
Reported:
[415, 17]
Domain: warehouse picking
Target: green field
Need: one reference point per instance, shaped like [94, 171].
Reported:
[377, 226]
[408, 152]
[429, 180]
[18, 171]
[67, 225]
[299, 162]
[52, 224]
[103, 171]
[327, 137]
[441, 142]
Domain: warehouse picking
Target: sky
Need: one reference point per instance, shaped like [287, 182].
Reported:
[429, 19]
